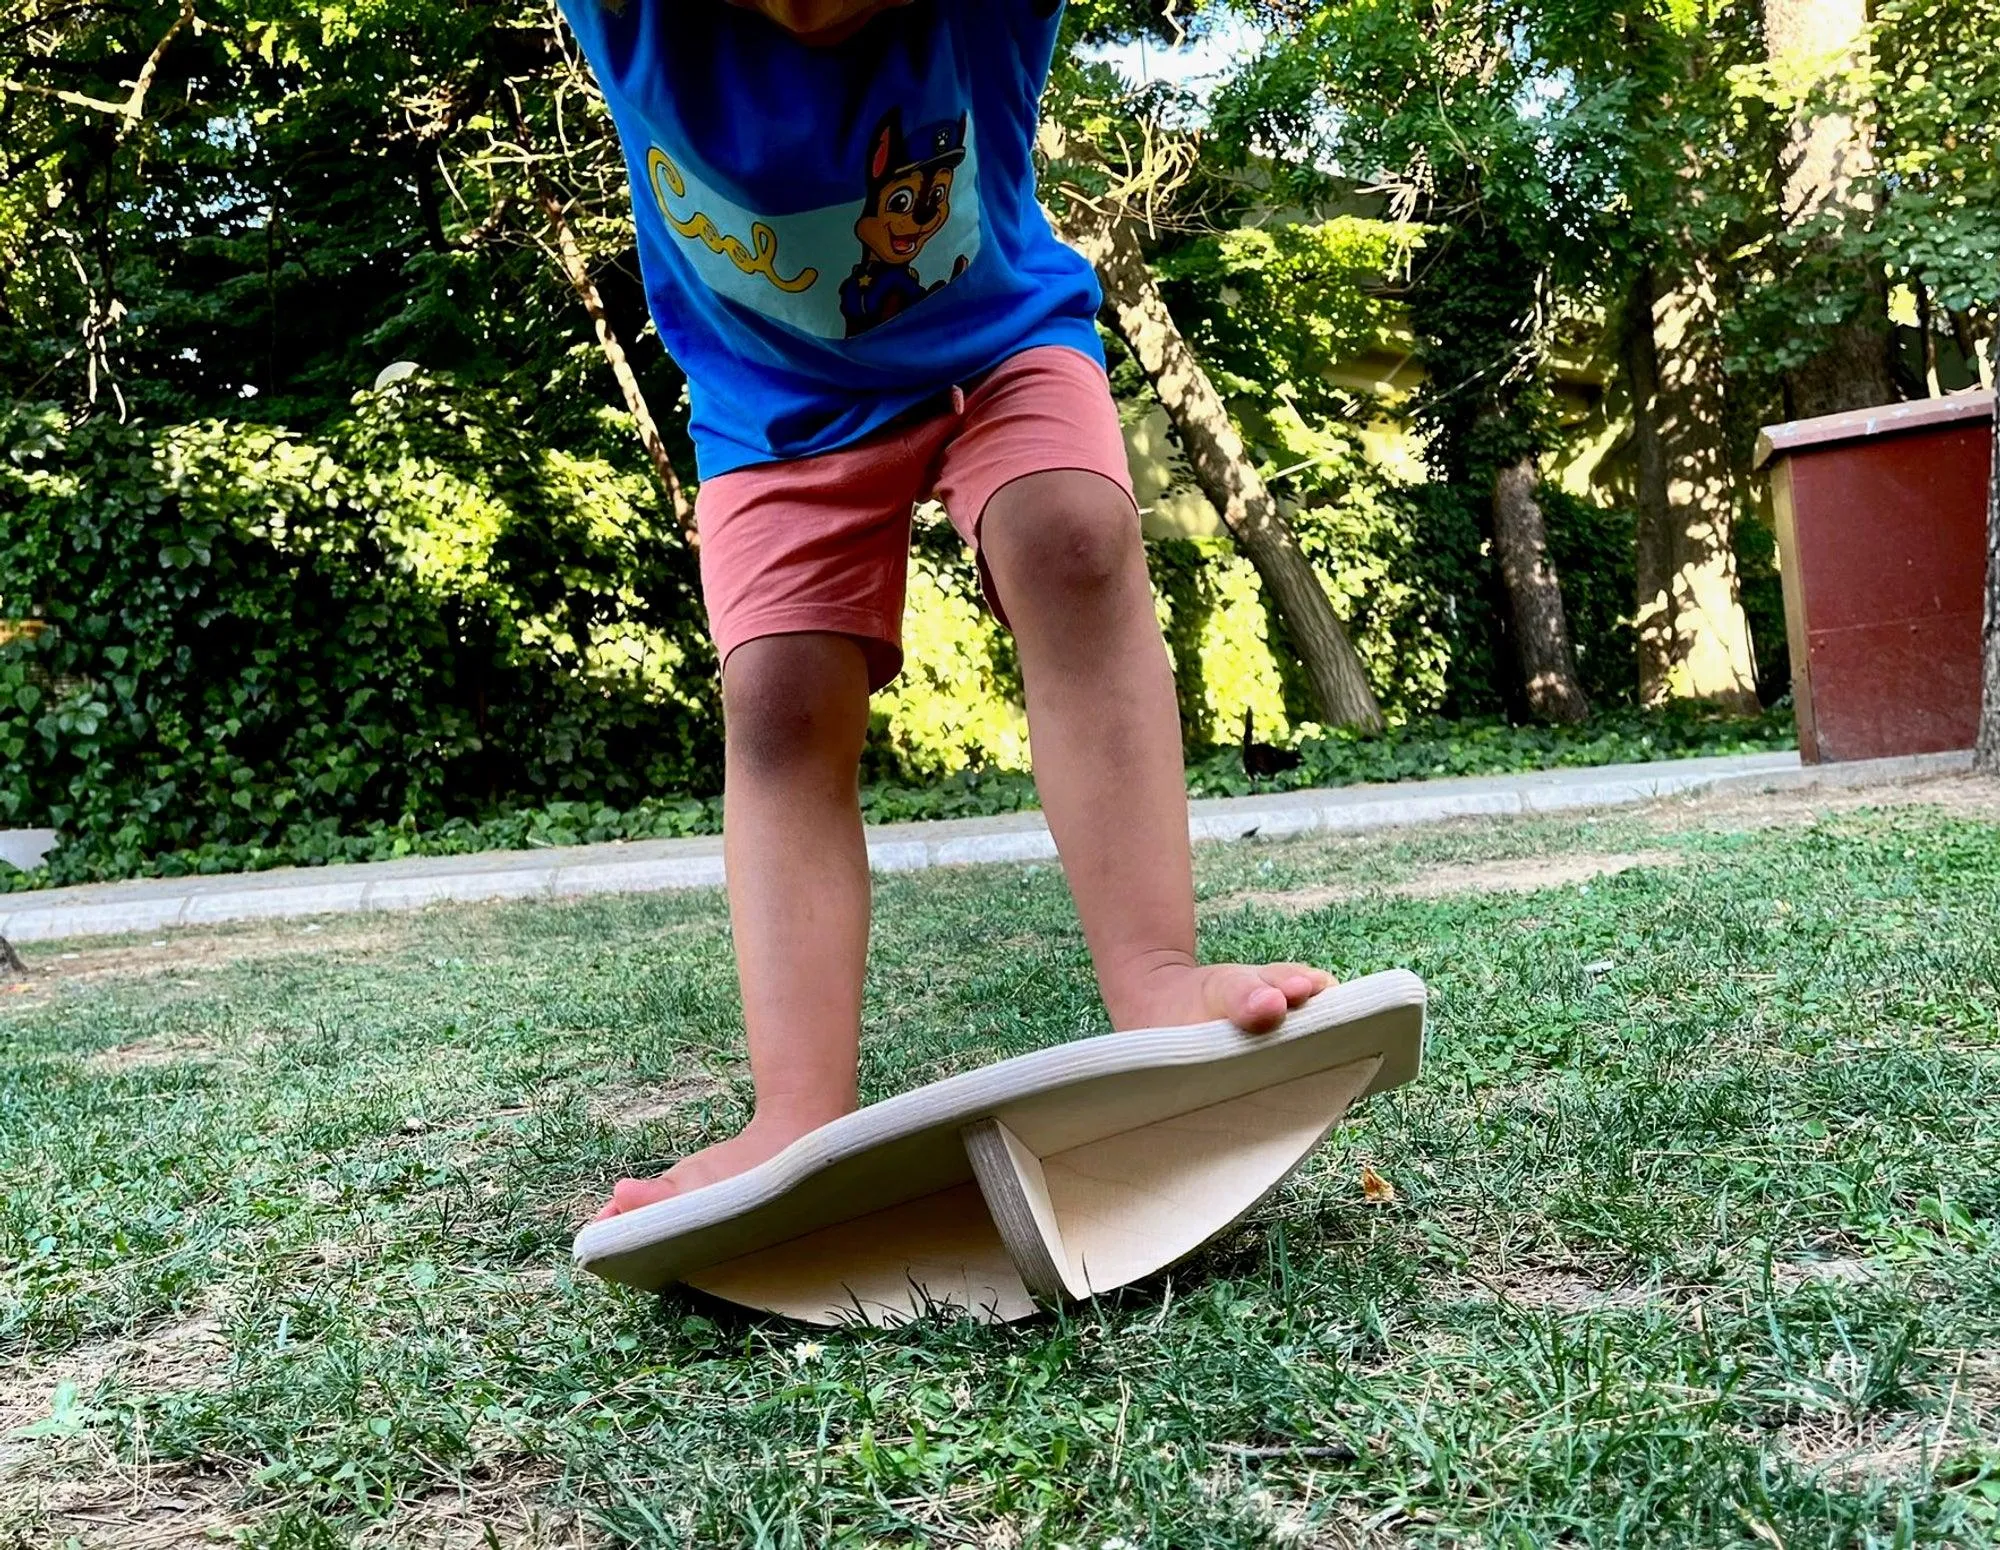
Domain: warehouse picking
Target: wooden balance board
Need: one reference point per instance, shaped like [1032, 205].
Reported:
[1061, 1173]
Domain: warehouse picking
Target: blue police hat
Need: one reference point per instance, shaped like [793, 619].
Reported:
[941, 144]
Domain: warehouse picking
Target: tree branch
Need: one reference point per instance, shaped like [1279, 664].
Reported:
[133, 108]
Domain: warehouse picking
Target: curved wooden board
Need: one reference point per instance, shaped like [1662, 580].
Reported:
[1134, 1203]
[1113, 1211]
[1052, 1100]
[939, 1251]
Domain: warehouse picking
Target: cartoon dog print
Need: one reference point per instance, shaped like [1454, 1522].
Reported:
[909, 199]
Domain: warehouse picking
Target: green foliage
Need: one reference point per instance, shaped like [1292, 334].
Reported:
[1275, 309]
[957, 705]
[1937, 88]
[226, 648]
[1764, 606]
[1928, 81]
[248, 641]
[1486, 402]
[1591, 547]
[1275, 312]
[1425, 750]
[312, 193]
[1936, 226]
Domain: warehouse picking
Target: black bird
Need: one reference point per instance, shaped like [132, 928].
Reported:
[1262, 760]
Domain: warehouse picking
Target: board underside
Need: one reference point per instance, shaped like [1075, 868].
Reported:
[1065, 1172]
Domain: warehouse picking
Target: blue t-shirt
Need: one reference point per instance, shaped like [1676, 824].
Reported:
[831, 236]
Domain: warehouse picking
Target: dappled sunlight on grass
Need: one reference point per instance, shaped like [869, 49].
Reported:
[1694, 1241]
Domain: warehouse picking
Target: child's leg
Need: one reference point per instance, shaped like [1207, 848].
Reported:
[1069, 567]
[795, 711]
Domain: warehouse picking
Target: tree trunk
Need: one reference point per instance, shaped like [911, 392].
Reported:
[578, 273]
[1540, 631]
[1222, 467]
[1653, 617]
[1805, 40]
[570, 256]
[1694, 640]
[1927, 338]
[1987, 754]
[1977, 353]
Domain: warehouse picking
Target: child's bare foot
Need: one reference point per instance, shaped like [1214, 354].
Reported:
[759, 1141]
[1255, 997]
[1164, 995]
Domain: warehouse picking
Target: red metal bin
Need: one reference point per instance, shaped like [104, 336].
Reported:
[1882, 545]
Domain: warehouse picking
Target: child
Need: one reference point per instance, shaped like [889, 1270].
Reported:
[842, 248]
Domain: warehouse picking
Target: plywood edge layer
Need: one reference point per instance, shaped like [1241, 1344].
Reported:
[1010, 1178]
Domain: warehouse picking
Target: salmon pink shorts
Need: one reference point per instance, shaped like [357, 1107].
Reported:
[823, 543]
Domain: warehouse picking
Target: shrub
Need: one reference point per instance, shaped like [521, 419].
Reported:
[245, 639]
[1593, 550]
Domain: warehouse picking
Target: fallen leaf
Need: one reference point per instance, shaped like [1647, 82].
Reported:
[1375, 1189]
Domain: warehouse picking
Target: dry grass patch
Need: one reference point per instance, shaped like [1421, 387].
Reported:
[623, 1108]
[177, 1358]
[1567, 1291]
[1789, 1275]
[1526, 874]
[1854, 1456]
[1853, 1452]
[117, 1506]
[183, 955]
[502, 1498]
[67, 1479]
[1976, 797]
[147, 1053]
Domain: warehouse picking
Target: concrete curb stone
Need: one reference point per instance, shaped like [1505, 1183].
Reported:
[647, 866]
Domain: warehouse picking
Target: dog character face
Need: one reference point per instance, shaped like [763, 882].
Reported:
[909, 187]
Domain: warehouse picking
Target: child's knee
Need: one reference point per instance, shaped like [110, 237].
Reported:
[795, 702]
[1068, 536]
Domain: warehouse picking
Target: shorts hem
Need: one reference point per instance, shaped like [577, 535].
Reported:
[882, 648]
[976, 538]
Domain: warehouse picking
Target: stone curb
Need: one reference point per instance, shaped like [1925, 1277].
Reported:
[651, 866]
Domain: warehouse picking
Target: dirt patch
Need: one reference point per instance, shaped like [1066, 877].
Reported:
[513, 1513]
[147, 1053]
[109, 1504]
[1854, 1456]
[1958, 796]
[1551, 1289]
[119, 1506]
[1528, 874]
[173, 1359]
[1961, 1409]
[184, 955]
[62, 1475]
[1789, 1275]
[622, 1108]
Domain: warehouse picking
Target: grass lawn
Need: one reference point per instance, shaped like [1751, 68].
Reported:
[1697, 1236]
